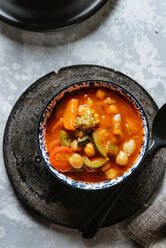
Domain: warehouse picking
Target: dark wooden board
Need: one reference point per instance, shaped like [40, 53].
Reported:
[42, 192]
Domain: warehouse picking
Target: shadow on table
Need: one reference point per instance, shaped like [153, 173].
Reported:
[60, 37]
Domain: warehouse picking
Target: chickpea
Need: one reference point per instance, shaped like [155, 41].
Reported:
[122, 158]
[111, 174]
[109, 100]
[76, 161]
[89, 150]
[74, 146]
[100, 94]
[129, 147]
[112, 109]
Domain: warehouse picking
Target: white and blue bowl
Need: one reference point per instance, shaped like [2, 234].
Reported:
[44, 120]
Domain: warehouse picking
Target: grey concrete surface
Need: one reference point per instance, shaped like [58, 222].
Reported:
[127, 35]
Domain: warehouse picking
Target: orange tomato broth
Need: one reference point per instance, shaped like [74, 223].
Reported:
[128, 113]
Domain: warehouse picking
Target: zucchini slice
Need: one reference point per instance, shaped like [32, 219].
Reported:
[83, 141]
[98, 143]
[64, 138]
[94, 164]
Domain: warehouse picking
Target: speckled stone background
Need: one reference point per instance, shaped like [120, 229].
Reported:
[127, 35]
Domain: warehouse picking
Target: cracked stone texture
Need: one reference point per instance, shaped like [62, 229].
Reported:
[127, 35]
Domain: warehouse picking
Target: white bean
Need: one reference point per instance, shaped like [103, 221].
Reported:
[129, 147]
[122, 158]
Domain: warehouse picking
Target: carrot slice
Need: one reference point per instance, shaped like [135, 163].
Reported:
[59, 158]
[70, 114]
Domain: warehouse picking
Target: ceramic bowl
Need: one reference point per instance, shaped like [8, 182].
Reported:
[44, 120]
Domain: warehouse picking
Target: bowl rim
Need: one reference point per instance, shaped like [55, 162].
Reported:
[146, 141]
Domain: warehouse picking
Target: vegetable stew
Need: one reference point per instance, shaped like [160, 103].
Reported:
[94, 135]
